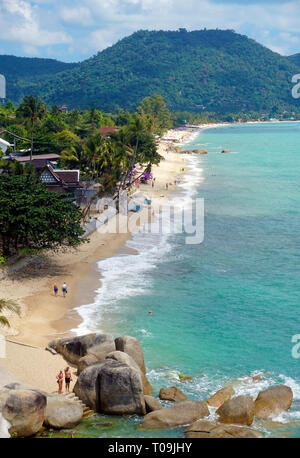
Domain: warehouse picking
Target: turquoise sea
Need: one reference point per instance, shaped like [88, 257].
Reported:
[226, 309]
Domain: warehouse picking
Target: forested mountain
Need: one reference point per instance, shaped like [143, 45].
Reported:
[24, 74]
[213, 70]
[295, 59]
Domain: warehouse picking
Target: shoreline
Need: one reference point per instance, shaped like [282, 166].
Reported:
[44, 316]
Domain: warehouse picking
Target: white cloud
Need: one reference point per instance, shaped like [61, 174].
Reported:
[19, 23]
[83, 27]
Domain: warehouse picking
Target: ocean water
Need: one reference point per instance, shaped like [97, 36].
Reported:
[225, 309]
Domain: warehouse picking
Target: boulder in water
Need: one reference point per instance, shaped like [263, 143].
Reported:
[213, 430]
[221, 396]
[179, 414]
[152, 404]
[238, 410]
[172, 394]
[273, 401]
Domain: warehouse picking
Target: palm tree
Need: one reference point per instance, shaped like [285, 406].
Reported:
[32, 109]
[11, 306]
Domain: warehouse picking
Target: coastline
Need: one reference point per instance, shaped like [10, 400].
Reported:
[44, 316]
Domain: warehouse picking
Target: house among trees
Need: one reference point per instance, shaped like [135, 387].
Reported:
[39, 161]
[61, 181]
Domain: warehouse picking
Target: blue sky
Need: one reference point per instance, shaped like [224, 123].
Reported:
[72, 30]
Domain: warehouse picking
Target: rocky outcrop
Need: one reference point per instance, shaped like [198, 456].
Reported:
[212, 430]
[152, 404]
[199, 151]
[120, 390]
[74, 348]
[24, 410]
[111, 387]
[126, 359]
[172, 394]
[238, 410]
[177, 415]
[62, 413]
[87, 385]
[85, 361]
[273, 401]
[221, 396]
[133, 348]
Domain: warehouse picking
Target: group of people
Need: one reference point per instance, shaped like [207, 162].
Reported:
[60, 379]
[63, 288]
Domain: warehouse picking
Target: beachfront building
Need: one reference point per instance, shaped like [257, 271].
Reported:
[61, 181]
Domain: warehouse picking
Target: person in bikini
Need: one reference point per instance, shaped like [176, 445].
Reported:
[67, 379]
[60, 378]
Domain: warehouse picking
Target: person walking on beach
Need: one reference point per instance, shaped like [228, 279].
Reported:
[167, 186]
[67, 379]
[60, 378]
[64, 289]
[55, 288]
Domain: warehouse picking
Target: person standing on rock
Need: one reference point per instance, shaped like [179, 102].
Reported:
[60, 378]
[67, 379]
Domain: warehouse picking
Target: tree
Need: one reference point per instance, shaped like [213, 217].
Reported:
[34, 218]
[10, 306]
[155, 114]
[32, 109]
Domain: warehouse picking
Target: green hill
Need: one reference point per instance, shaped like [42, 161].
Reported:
[24, 75]
[295, 59]
[215, 70]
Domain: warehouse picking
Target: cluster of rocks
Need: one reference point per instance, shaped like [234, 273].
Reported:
[112, 380]
[27, 409]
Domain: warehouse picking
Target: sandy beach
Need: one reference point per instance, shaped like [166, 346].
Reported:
[44, 316]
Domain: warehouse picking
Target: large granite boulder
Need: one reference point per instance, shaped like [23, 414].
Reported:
[126, 359]
[85, 361]
[238, 410]
[133, 348]
[273, 401]
[74, 348]
[172, 394]
[121, 390]
[221, 396]
[24, 410]
[152, 404]
[87, 385]
[179, 414]
[111, 387]
[62, 412]
[212, 430]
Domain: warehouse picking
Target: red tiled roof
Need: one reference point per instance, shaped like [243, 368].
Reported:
[107, 130]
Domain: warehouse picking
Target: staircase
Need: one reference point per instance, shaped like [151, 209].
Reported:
[87, 412]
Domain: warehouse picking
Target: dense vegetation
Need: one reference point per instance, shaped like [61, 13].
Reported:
[208, 70]
[295, 59]
[32, 217]
[24, 75]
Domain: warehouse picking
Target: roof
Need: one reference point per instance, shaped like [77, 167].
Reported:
[68, 176]
[107, 129]
[62, 177]
[45, 157]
